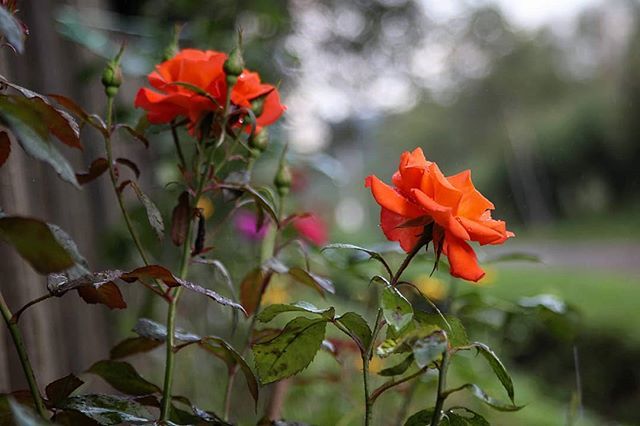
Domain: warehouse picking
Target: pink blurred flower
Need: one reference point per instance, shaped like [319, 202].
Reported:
[313, 229]
[246, 223]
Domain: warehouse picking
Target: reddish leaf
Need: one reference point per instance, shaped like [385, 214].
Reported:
[107, 294]
[31, 130]
[60, 284]
[97, 168]
[91, 119]
[252, 286]
[130, 164]
[135, 133]
[201, 234]
[35, 242]
[164, 275]
[62, 388]
[5, 147]
[180, 219]
[151, 272]
[59, 122]
[123, 185]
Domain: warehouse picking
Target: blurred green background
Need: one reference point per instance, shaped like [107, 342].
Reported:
[540, 99]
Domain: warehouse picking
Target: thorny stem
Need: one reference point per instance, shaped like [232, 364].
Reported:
[370, 399]
[114, 183]
[442, 383]
[18, 342]
[368, 402]
[266, 252]
[184, 265]
[147, 306]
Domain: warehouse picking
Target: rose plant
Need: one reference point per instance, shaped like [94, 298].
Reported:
[225, 111]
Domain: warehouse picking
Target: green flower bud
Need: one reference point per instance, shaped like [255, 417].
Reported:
[283, 179]
[259, 140]
[234, 65]
[173, 47]
[112, 75]
[257, 105]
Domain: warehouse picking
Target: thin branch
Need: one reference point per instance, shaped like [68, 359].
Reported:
[393, 383]
[16, 316]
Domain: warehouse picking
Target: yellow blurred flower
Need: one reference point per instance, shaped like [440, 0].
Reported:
[206, 206]
[276, 293]
[490, 277]
[431, 287]
[375, 365]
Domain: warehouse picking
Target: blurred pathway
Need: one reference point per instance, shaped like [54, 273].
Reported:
[621, 256]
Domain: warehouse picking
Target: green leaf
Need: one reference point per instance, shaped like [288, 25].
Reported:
[33, 134]
[123, 377]
[62, 388]
[320, 284]
[108, 410]
[132, 346]
[399, 368]
[11, 29]
[153, 214]
[421, 418]
[396, 309]
[456, 332]
[546, 301]
[387, 347]
[402, 341]
[358, 329]
[152, 330]
[461, 416]
[291, 351]
[232, 354]
[377, 279]
[492, 402]
[428, 349]
[272, 311]
[497, 366]
[263, 203]
[35, 242]
[372, 254]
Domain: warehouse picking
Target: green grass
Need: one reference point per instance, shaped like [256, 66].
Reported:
[607, 301]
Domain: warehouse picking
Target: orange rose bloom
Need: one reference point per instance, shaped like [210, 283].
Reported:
[204, 70]
[457, 211]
